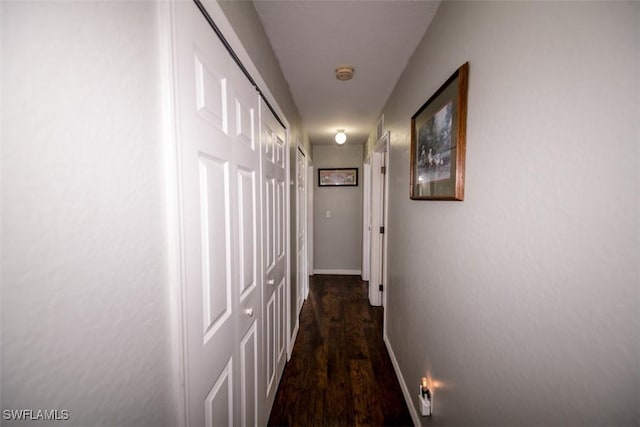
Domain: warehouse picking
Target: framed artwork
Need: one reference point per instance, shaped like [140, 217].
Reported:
[338, 177]
[438, 142]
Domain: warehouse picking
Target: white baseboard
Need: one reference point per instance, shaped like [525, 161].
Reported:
[403, 384]
[294, 337]
[344, 272]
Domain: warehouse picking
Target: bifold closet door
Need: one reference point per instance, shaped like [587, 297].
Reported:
[219, 181]
[274, 150]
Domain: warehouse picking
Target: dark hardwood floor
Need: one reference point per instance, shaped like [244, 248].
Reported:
[340, 373]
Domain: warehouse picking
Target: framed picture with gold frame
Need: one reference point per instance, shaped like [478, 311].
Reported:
[438, 141]
[345, 177]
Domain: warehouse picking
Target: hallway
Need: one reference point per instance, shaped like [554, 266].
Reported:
[156, 160]
[340, 372]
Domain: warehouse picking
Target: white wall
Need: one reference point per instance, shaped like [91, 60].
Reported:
[84, 256]
[521, 304]
[338, 239]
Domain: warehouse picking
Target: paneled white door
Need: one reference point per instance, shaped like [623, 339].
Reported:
[310, 176]
[274, 150]
[379, 185]
[219, 178]
[366, 219]
[301, 221]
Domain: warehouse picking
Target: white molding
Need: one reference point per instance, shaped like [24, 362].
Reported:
[310, 219]
[175, 234]
[366, 217]
[292, 342]
[301, 220]
[340, 272]
[403, 384]
[385, 268]
[287, 285]
[376, 263]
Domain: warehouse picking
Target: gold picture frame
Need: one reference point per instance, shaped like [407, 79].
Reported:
[438, 142]
[345, 177]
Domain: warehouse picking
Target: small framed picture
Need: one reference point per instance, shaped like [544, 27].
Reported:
[438, 142]
[338, 177]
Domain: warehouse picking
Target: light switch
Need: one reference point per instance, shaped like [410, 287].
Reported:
[328, 214]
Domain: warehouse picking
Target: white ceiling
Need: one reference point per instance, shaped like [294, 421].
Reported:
[312, 37]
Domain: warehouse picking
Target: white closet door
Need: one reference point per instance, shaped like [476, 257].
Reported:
[274, 150]
[219, 173]
[301, 221]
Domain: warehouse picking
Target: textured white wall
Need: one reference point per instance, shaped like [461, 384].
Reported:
[522, 302]
[337, 240]
[84, 259]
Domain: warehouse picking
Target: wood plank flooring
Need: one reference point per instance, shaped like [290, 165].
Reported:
[340, 373]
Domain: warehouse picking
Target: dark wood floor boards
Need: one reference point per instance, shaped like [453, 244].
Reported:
[340, 373]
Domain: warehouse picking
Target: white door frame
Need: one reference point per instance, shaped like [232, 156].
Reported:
[366, 219]
[310, 187]
[176, 272]
[301, 223]
[379, 209]
[383, 146]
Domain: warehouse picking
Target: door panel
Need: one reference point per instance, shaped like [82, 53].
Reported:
[245, 123]
[211, 93]
[247, 236]
[282, 329]
[271, 330]
[280, 213]
[249, 377]
[219, 400]
[270, 222]
[215, 243]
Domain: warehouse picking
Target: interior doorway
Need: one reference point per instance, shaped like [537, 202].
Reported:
[377, 219]
[366, 220]
[302, 227]
[310, 266]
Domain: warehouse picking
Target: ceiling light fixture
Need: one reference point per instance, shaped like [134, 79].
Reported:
[341, 137]
[344, 72]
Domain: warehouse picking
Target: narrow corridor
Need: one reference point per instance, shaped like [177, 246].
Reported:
[340, 373]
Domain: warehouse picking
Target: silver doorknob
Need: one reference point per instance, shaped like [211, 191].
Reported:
[249, 311]
[271, 282]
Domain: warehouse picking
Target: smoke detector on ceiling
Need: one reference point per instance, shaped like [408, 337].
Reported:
[344, 72]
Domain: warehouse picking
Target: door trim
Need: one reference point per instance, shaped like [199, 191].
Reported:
[175, 233]
[305, 203]
[382, 146]
[293, 332]
[366, 219]
[310, 237]
[378, 205]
